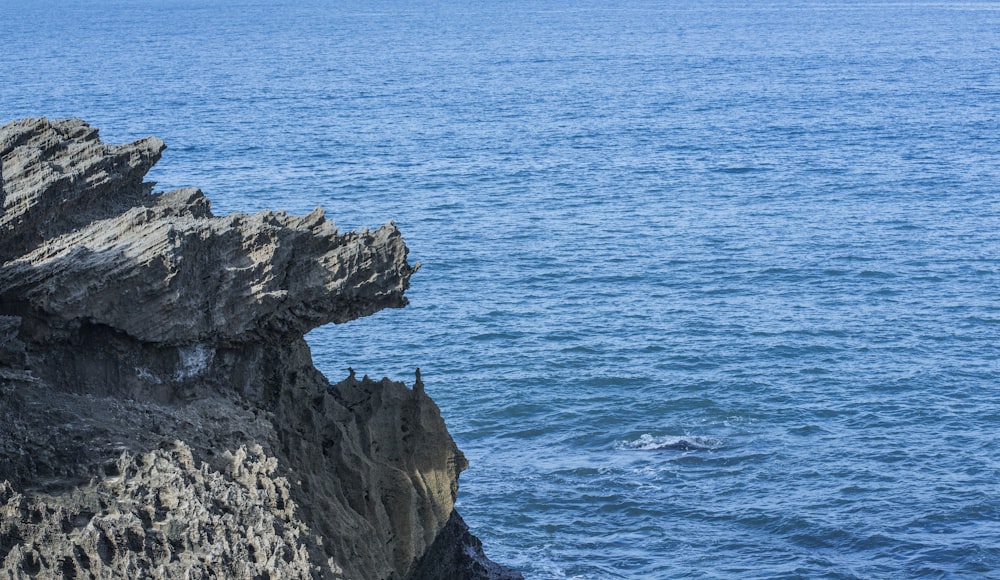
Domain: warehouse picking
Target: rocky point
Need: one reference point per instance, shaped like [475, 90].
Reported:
[160, 415]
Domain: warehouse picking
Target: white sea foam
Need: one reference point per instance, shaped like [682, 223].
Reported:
[647, 442]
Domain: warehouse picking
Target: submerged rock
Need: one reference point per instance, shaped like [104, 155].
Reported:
[160, 414]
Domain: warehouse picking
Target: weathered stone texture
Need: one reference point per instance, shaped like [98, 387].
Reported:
[160, 414]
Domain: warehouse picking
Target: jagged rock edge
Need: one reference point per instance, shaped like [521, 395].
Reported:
[254, 389]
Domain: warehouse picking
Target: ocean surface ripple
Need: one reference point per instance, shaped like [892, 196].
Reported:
[708, 289]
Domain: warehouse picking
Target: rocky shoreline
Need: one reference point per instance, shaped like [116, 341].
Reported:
[160, 415]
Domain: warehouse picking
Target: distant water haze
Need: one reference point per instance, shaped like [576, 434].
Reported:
[707, 289]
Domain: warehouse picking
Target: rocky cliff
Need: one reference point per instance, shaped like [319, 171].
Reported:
[160, 414]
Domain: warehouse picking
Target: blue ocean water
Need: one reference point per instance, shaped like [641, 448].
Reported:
[708, 289]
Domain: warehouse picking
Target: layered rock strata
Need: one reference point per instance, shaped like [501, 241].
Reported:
[160, 414]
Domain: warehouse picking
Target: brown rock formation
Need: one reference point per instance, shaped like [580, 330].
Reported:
[159, 411]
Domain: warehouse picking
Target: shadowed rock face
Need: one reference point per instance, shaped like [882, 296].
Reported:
[159, 410]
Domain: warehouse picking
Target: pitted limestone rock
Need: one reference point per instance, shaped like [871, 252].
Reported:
[161, 516]
[131, 320]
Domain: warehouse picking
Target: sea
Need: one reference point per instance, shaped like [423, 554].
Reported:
[708, 289]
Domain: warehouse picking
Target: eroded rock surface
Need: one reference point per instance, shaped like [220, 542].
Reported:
[162, 515]
[160, 414]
